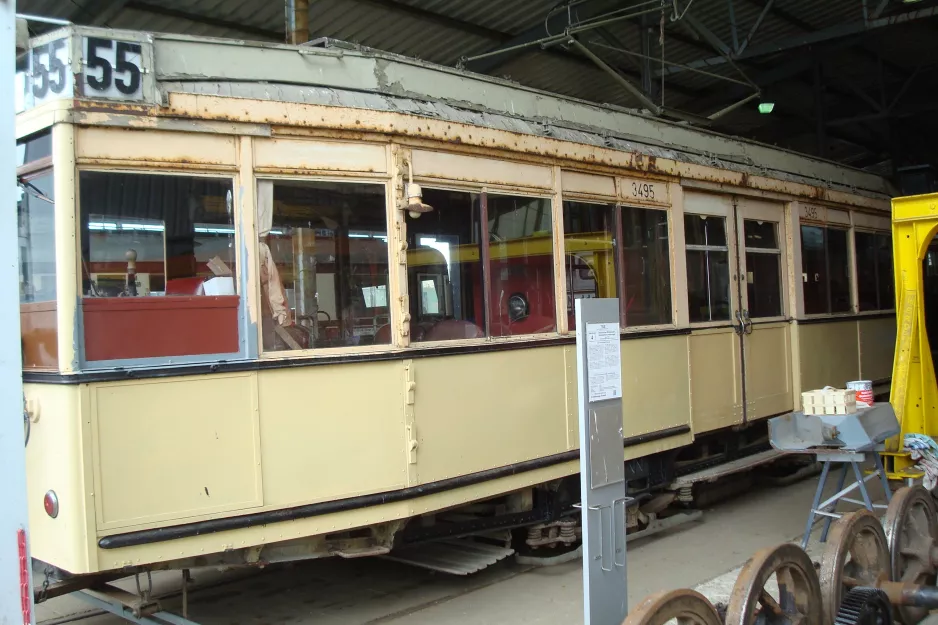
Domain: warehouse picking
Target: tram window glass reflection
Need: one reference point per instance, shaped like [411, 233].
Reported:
[158, 265]
[825, 270]
[763, 268]
[708, 270]
[35, 211]
[444, 268]
[589, 249]
[874, 270]
[521, 265]
[647, 268]
[323, 264]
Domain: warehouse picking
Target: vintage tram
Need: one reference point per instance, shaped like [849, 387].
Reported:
[284, 302]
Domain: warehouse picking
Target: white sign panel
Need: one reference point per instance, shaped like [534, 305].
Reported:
[112, 69]
[605, 361]
[47, 75]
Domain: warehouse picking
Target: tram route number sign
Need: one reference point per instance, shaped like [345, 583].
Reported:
[107, 69]
[46, 75]
[112, 69]
[605, 361]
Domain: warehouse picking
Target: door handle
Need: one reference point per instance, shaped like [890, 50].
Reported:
[739, 329]
[747, 319]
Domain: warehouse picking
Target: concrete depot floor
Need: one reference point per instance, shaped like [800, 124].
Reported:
[703, 554]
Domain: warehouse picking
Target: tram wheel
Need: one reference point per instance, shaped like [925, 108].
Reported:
[777, 585]
[857, 554]
[687, 607]
[911, 532]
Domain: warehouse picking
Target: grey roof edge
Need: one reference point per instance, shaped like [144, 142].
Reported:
[371, 79]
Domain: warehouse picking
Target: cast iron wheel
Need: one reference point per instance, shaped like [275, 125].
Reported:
[798, 600]
[910, 531]
[857, 554]
[687, 607]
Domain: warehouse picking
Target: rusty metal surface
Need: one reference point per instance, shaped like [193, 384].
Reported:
[911, 531]
[777, 585]
[688, 607]
[856, 554]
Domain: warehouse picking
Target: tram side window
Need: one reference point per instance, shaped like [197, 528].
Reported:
[763, 268]
[521, 265]
[590, 252]
[158, 266]
[593, 258]
[35, 210]
[874, 271]
[647, 269]
[708, 272]
[444, 268]
[323, 264]
[825, 270]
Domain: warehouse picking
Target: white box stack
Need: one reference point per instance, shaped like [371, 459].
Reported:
[829, 401]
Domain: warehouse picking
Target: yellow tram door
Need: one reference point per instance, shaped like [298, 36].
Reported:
[740, 359]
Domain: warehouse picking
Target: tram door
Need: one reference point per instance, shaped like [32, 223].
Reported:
[740, 363]
[762, 323]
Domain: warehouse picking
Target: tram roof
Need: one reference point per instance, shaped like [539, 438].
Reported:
[334, 73]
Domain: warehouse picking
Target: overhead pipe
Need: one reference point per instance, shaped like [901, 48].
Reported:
[297, 21]
[635, 91]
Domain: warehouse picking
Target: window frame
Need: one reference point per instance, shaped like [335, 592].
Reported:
[848, 229]
[618, 204]
[382, 180]
[483, 190]
[722, 208]
[241, 276]
[874, 232]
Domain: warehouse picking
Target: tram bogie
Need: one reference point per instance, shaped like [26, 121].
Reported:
[250, 337]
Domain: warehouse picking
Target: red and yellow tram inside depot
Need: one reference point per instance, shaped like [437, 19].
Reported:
[284, 302]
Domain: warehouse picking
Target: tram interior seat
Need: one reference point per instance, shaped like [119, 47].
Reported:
[185, 286]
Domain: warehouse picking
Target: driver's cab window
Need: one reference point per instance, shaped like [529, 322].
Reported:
[158, 266]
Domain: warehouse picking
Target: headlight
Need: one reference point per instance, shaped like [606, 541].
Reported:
[517, 307]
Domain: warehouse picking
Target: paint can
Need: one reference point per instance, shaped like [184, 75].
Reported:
[864, 389]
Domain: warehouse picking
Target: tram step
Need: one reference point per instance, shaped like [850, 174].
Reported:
[722, 470]
[457, 557]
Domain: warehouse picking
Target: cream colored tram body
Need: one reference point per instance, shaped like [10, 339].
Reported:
[247, 339]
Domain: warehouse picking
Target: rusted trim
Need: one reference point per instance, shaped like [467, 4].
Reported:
[162, 534]
[86, 377]
[486, 261]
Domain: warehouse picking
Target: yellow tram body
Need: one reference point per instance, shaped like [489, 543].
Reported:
[263, 454]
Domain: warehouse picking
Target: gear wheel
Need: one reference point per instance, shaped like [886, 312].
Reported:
[865, 606]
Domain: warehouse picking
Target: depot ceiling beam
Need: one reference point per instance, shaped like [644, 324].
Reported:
[95, 12]
[811, 38]
[797, 22]
[195, 18]
[432, 17]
